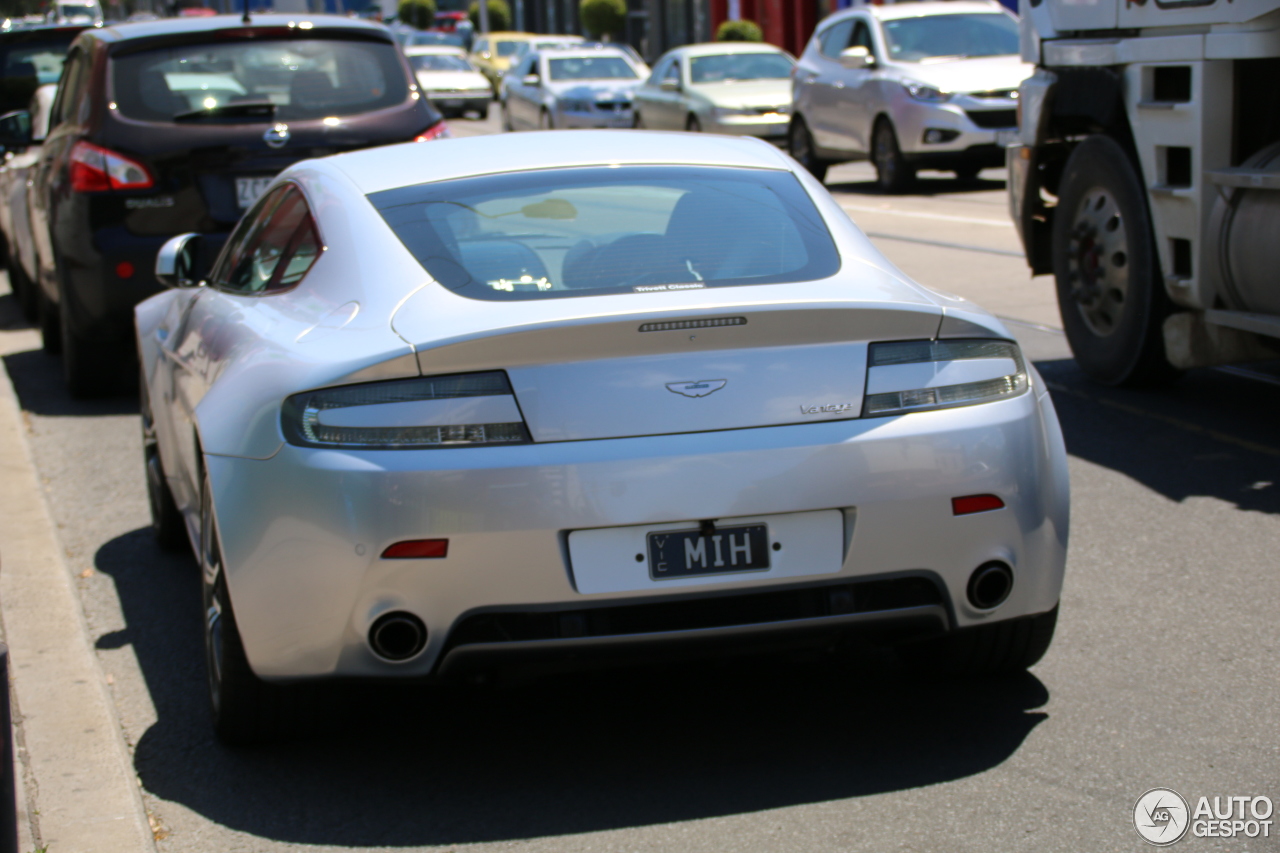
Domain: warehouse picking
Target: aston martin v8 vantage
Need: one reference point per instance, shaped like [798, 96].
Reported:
[584, 397]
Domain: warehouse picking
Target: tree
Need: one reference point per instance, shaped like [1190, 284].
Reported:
[417, 13]
[739, 31]
[603, 19]
[499, 15]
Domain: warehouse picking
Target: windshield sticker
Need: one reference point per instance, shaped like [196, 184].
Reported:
[658, 288]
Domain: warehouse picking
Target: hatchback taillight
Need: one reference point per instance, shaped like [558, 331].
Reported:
[439, 130]
[96, 169]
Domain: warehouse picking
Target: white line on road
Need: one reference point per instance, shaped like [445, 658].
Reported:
[972, 220]
[941, 245]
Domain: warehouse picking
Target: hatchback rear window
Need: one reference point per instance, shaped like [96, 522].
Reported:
[259, 80]
[577, 232]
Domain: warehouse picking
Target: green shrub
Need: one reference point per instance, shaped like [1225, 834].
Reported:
[739, 31]
[499, 15]
[603, 18]
[417, 13]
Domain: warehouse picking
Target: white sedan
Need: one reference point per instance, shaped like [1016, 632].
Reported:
[584, 396]
[449, 80]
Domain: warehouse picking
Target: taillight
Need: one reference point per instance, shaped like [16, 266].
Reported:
[95, 169]
[439, 130]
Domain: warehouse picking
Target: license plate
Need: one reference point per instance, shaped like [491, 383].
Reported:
[681, 553]
[248, 190]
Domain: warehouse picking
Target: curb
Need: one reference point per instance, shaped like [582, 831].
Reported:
[79, 785]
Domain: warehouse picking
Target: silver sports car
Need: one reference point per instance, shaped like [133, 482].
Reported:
[584, 395]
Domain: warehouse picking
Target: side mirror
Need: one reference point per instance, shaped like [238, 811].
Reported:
[15, 130]
[176, 261]
[854, 58]
[531, 80]
[670, 85]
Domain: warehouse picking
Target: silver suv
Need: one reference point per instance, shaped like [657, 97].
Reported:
[911, 86]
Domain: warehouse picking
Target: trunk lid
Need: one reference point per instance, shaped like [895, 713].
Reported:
[728, 366]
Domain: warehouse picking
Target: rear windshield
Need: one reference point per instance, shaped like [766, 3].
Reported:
[27, 65]
[936, 37]
[294, 79]
[731, 67]
[591, 68]
[439, 62]
[578, 232]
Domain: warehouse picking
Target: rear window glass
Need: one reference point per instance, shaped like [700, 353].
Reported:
[731, 67]
[253, 80]
[591, 68]
[27, 65]
[576, 232]
[439, 62]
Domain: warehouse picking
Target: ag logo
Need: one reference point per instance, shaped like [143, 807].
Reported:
[1161, 817]
[697, 388]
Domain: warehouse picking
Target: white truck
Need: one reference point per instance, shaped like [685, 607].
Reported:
[1146, 178]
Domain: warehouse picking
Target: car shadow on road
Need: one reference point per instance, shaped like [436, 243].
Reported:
[1209, 434]
[569, 754]
[924, 185]
[37, 378]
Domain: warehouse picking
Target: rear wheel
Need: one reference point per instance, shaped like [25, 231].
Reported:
[999, 648]
[166, 520]
[893, 175]
[692, 124]
[800, 144]
[1110, 292]
[484, 112]
[967, 174]
[246, 709]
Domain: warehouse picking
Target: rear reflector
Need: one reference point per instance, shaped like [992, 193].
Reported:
[124, 269]
[417, 549]
[975, 503]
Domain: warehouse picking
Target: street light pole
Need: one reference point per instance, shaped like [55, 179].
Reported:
[484, 16]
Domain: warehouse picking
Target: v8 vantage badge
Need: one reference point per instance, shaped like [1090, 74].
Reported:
[1161, 817]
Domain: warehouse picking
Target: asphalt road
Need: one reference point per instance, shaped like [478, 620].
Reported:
[1165, 670]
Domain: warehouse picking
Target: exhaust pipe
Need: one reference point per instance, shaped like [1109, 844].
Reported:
[990, 584]
[397, 636]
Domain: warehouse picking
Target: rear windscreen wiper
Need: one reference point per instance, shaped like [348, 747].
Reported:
[245, 109]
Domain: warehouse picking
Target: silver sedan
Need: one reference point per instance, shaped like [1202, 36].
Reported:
[733, 87]
[584, 87]
[583, 396]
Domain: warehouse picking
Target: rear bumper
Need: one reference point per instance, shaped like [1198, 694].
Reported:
[302, 533]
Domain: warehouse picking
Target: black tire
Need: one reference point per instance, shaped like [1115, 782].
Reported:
[1000, 648]
[967, 174]
[637, 123]
[50, 322]
[506, 119]
[800, 146]
[1110, 290]
[166, 519]
[23, 290]
[484, 113]
[692, 125]
[246, 710]
[545, 122]
[893, 174]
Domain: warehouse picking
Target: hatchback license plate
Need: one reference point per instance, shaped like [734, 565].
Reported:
[681, 553]
[248, 190]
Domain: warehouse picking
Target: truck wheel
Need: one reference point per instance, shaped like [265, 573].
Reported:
[999, 648]
[893, 175]
[800, 146]
[1110, 291]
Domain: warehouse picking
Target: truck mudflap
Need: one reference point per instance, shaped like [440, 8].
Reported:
[1028, 209]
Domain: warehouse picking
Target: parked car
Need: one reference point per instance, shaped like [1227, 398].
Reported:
[179, 125]
[731, 87]
[927, 85]
[570, 88]
[449, 81]
[15, 222]
[495, 53]
[565, 397]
